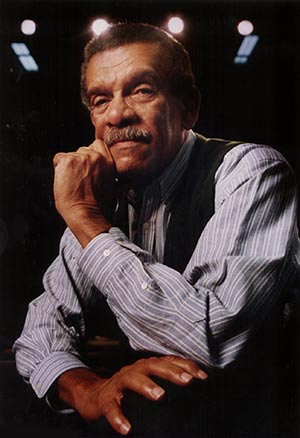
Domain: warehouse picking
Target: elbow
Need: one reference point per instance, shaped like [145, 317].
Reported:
[225, 349]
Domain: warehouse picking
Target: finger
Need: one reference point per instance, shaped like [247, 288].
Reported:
[166, 369]
[188, 365]
[117, 419]
[99, 146]
[58, 158]
[143, 385]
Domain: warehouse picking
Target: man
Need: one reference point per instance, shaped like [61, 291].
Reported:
[192, 243]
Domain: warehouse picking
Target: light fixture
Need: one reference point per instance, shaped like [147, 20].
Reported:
[247, 46]
[28, 27]
[245, 27]
[28, 63]
[99, 26]
[175, 25]
[24, 56]
[240, 59]
[20, 49]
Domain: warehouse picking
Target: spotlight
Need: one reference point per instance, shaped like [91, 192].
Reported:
[176, 25]
[25, 58]
[28, 27]
[99, 26]
[245, 27]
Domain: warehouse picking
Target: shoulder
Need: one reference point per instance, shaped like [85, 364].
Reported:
[252, 159]
[253, 167]
[236, 150]
[252, 152]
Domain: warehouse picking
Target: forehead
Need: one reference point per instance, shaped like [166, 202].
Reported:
[123, 62]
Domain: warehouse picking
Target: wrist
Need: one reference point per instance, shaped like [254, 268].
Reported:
[75, 385]
[86, 225]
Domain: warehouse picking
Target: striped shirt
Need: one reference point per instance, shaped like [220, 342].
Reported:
[155, 210]
[245, 259]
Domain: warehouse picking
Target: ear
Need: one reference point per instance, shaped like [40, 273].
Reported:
[191, 106]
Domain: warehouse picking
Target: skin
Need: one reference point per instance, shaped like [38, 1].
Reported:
[127, 88]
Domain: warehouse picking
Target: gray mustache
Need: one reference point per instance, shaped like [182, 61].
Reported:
[129, 133]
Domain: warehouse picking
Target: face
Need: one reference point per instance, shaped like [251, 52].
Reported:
[133, 111]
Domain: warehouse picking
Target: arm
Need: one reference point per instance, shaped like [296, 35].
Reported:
[50, 347]
[241, 265]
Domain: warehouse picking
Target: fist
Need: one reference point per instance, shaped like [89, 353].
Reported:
[84, 185]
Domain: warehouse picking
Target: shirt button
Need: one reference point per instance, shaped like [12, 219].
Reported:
[144, 285]
[106, 252]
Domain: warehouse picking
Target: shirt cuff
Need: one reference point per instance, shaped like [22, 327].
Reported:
[50, 369]
[107, 255]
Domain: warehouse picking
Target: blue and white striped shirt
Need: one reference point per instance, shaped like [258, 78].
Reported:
[244, 260]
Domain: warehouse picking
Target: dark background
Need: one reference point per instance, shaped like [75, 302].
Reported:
[41, 113]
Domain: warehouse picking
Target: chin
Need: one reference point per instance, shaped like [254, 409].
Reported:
[134, 174]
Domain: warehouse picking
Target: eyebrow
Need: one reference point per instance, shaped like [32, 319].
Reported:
[138, 77]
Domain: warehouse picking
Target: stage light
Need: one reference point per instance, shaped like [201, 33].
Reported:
[28, 63]
[240, 59]
[20, 49]
[247, 46]
[24, 56]
[245, 27]
[176, 25]
[99, 26]
[28, 27]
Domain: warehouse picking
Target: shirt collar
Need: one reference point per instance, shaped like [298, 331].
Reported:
[170, 178]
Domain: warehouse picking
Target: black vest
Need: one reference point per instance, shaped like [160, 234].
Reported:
[194, 202]
[191, 210]
[256, 375]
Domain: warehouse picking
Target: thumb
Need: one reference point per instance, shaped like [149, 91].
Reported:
[99, 146]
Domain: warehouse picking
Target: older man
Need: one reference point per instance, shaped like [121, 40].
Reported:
[191, 242]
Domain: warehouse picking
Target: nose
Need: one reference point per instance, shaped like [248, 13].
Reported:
[120, 113]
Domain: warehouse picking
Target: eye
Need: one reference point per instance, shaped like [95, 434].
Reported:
[99, 101]
[143, 93]
[145, 90]
[99, 104]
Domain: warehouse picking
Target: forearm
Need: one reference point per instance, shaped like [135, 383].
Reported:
[231, 283]
[54, 331]
[159, 310]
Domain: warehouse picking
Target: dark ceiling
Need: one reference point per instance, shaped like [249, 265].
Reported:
[257, 101]
[41, 113]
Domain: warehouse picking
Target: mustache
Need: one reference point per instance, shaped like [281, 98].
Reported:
[129, 133]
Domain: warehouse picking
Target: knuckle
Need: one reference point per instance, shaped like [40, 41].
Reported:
[141, 361]
[57, 157]
[123, 374]
[82, 149]
[170, 358]
[128, 377]
[107, 407]
[147, 364]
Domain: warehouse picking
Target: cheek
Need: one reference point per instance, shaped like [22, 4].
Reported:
[98, 127]
[99, 131]
[167, 121]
